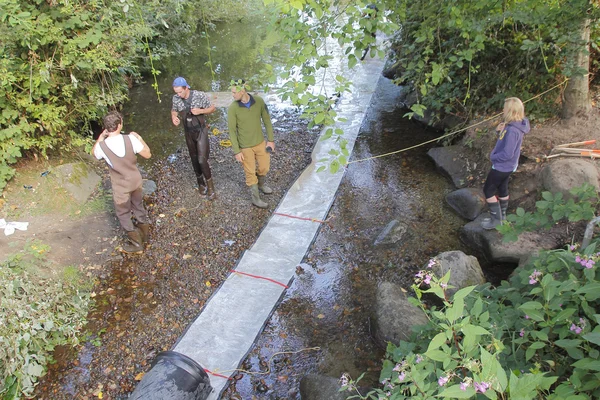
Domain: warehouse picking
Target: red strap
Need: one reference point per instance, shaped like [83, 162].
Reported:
[302, 218]
[260, 277]
[219, 375]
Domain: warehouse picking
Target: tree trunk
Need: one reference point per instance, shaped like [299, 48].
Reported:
[576, 98]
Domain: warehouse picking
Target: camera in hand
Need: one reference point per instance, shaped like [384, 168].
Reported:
[269, 149]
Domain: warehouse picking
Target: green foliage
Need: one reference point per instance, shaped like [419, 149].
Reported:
[537, 336]
[314, 30]
[551, 209]
[36, 315]
[63, 64]
[464, 57]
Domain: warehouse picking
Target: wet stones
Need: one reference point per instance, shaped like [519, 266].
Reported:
[392, 233]
[320, 387]
[464, 270]
[394, 315]
[467, 202]
[452, 162]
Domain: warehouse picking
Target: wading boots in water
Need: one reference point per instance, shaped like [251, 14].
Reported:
[503, 207]
[256, 197]
[201, 186]
[210, 191]
[261, 185]
[134, 243]
[496, 216]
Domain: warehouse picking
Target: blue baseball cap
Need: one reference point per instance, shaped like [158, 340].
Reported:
[179, 81]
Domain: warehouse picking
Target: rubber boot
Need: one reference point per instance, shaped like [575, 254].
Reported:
[261, 185]
[503, 207]
[210, 192]
[496, 217]
[145, 232]
[134, 244]
[201, 186]
[256, 197]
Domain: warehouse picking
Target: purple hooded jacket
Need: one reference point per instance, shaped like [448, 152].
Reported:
[505, 156]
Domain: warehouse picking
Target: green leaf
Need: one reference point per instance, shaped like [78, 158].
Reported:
[455, 392]
[437, 341]
[593, 337]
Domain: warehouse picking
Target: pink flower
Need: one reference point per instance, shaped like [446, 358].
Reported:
[481, 387]
[427, 280]
[401, 376]
[442, 380]
[522, 333]
[464, 385]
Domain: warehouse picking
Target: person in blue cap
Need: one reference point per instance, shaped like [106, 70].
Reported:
[190, 106]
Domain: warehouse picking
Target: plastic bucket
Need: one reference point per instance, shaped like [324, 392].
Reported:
[173, 376]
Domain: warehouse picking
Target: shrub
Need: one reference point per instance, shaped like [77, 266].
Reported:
[537, 336]
[36, 315]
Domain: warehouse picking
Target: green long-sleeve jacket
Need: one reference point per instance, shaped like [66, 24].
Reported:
[245, 129]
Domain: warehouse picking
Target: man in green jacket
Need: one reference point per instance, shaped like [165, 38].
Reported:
[247, 140]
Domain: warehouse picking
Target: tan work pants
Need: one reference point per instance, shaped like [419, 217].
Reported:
[252, 156]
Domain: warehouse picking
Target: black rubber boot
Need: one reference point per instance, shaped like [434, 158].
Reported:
[256, 197]
[496, 217]
[201, 186]
[145, 232]
[503, 207]
[210, 192]
[134, 244]
[261, 185]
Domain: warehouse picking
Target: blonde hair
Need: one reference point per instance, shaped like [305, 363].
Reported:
[514, 110]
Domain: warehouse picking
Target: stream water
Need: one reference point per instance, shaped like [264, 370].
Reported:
[329, 304]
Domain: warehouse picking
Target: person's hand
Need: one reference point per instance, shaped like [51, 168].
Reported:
[500, 127]
[175, 120]
[271, 145]
[239, 156]
[103, 135]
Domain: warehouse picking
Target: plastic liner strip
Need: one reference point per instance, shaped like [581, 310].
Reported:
[224, 332]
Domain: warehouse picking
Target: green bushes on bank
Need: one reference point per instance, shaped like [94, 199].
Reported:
[63, 64]
[36, 315]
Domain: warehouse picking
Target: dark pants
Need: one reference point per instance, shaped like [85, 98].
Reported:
[128, 202]
[199, 148]
[496, 182]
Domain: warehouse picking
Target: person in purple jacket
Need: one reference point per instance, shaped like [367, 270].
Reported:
[505, 159]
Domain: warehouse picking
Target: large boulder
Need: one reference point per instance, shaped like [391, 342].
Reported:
[78, 179]
[320, 387]
[464, 270]
[566, 174]
[467, 202]
[451, 162]
[491, 245]
[395, 317]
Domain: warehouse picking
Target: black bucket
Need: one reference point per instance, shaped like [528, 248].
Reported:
[173, 376]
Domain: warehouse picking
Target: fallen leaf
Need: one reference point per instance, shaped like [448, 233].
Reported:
[139, 376]
[187, 256]
[161, 215]
[207, 283]
[320, 316]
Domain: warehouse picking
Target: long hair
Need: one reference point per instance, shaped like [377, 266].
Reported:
[514, 110]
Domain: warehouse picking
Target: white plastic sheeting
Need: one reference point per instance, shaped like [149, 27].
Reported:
[222, 335]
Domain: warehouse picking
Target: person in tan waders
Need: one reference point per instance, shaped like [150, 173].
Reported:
[119, 151]
[244, 117]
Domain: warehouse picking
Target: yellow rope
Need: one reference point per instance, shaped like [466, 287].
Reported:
[225, 143]
[452, 133]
